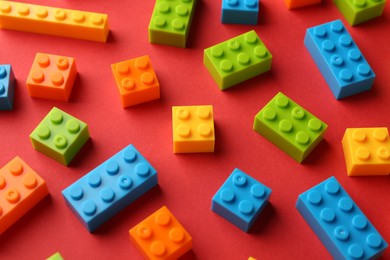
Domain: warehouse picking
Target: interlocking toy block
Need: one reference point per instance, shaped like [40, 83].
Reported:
[161, 236]
[193, 129]
[7, 87]
[51, 77]
[300, 3]
[251, 258]
[171, 21]
[56, 256]
[240, 11]
[53, 21]
[136, 81]
[60, 136]
[241, 199]
[339, 223]
[20, 190]
[367, 151]
[238, 59]
[290, 127]
[356, 12]
[339, 59]
[110, 187]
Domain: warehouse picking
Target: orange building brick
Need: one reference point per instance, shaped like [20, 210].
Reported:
[54, 21]
[161, 236]
[20, 190]
[51, 77]
[300, 3]
[193, 129]
[136, 81]
[367, 151]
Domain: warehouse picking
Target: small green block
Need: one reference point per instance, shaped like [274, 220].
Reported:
[289, 126]
[60, 136]
[171, 21]
[359, 11]
[238, 59]
[56, 256]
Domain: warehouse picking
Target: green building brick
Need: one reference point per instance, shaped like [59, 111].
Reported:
[56, 256]
[289, 126]
[238, 59]
[60, 136]
[171, 21]
[358, 11]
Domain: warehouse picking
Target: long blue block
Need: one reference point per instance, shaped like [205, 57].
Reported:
[339, 59]
[110, 187]
[241, 199]
[339, 223]
[240, 11]
[7, 87]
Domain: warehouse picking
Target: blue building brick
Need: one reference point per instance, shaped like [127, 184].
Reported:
[339, 59]
[240, 11]
[7, 87]
[339, 223]
[240, 199]
[110, 187]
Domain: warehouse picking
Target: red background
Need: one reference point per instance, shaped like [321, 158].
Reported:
[188, 182]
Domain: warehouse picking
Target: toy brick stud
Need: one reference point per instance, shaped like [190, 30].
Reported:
[240, 11]
[161, 236]
[51, 77]
[356, 12]
[7, 87]
[339, 223]
[241, 199]
[60, 136]
[300, 3]
[367, 151]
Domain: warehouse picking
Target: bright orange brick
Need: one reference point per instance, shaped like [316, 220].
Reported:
[161, 236]
[136, 81]
[367, 151]
[300, 3]
[20, 190]
[51, 77]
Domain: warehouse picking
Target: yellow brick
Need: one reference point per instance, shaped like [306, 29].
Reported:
[53, 21]
[193, 129]
[367, 151]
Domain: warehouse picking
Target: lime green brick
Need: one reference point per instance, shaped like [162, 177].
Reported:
[171, 22]
[56, 256]
[358, 11]
[290, 127]
[60, 136]
[238, 59]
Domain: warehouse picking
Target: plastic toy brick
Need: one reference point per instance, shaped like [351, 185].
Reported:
[7, 87]
[300, 3]
[367, 151]
[356, 12]
[136, 81]
[60, 136]
[161, 236]
[236, 60]
[54, 21]
[56, 256]
[110, 187]
[20, 190]
[251, 258]
[51, 77]
[193, 129]
[339, 223]
[240, 11]
[339, 59]
[171, 21]
[290, 127]
[241, 199]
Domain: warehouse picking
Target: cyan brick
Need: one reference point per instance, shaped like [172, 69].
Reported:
[241, 199]
[7, 87]
[339, 59]
[240, 11]
[110, 187]
[339, 223]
